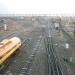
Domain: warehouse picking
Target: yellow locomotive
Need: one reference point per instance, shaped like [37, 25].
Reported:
[7, 48]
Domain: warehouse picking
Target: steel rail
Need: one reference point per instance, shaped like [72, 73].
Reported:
[54, 67]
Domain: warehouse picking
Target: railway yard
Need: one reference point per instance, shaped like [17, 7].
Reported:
[45, 50]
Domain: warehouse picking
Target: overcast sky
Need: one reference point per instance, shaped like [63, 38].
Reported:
[37, 7]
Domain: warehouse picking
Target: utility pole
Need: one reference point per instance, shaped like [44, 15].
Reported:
[5, 25]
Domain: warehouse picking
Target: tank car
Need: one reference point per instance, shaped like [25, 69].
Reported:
[8, 48]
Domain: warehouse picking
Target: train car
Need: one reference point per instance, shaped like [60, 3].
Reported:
[7, 48]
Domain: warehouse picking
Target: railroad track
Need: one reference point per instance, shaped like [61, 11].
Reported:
[67, 34]
[7, 36]
[10, 60]
[27, 62]
[54, 66]
[26, 69]
[15, 33]
[25, 43]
